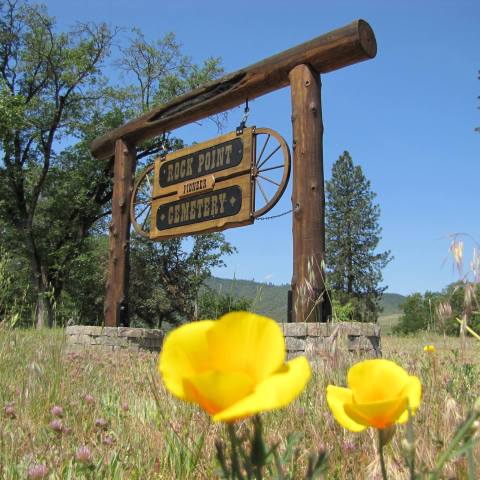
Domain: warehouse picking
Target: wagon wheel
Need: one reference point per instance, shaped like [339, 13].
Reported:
[271, 170]
[141, 202]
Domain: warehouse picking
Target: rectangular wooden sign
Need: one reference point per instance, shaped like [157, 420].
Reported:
[223, 157]
[224, 205]
[204, 188]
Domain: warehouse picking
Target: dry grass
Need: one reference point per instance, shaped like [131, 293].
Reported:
[142, 441]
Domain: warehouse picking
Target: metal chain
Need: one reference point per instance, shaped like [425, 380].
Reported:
[163, 148]
[271, 217]
[243, 122]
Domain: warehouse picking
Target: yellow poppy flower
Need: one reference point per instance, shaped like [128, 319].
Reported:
[233, 367]
[429, 348]
[379, 395]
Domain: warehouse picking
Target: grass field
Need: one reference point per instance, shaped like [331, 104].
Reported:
[387, 322]
[110, 426]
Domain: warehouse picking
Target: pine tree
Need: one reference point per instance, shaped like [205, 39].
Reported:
[354, 268]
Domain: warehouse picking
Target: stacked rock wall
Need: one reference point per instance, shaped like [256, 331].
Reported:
[313, 339]
[81, 337]
[319, 339]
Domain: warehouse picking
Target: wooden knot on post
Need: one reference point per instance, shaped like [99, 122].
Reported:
[297, 211]
[313, 108]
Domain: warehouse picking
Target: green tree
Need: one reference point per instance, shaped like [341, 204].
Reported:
[48, 82]
[423, 312]
[418, 313]
[166, 278]
[214, 304]
[354, 267]
[463, 298]
[55, 99]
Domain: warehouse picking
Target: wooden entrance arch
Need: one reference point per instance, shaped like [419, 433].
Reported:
[300, 67]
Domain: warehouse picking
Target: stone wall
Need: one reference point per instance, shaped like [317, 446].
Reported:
[80, 337]
[320, 339]
[313, 339]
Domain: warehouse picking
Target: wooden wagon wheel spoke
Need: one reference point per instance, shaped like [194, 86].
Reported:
[147, 217]
[270, 156]
[270, 168]
[276, 162]
[262, 190]
[263, 148]
[269, 180]
[141, 202]
[141, 213]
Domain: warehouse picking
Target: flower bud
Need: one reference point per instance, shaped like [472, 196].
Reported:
[83, 454]
[57, 411]
[10, 411]
[101, 423]
[56, 425]
[37, 472]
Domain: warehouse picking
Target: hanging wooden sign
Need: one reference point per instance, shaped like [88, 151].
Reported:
[228, 204]
[224, 156]
[221, 183]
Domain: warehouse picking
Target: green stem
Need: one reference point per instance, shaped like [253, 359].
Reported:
[471, 465]
[237, 474]
[462, 431]
[411, 441]
[380, 453]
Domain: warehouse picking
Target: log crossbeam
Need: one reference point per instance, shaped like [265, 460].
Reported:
[345, 46]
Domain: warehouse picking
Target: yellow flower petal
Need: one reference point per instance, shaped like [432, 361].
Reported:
[185, 352]
[276, 391]
[243, 341]
[413, 391]
[337, 397]
[376, 380]
[214, 391]
[377, 414]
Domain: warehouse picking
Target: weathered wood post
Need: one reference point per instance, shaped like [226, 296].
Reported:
[116, 305]
[308, 198]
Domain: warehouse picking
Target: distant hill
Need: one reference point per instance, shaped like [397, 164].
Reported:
[271, 300]
[391, 303]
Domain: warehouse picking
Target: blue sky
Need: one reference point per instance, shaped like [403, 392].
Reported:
[407, 117]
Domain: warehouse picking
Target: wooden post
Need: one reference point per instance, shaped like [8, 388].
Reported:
[116, 300]
[308, 197]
